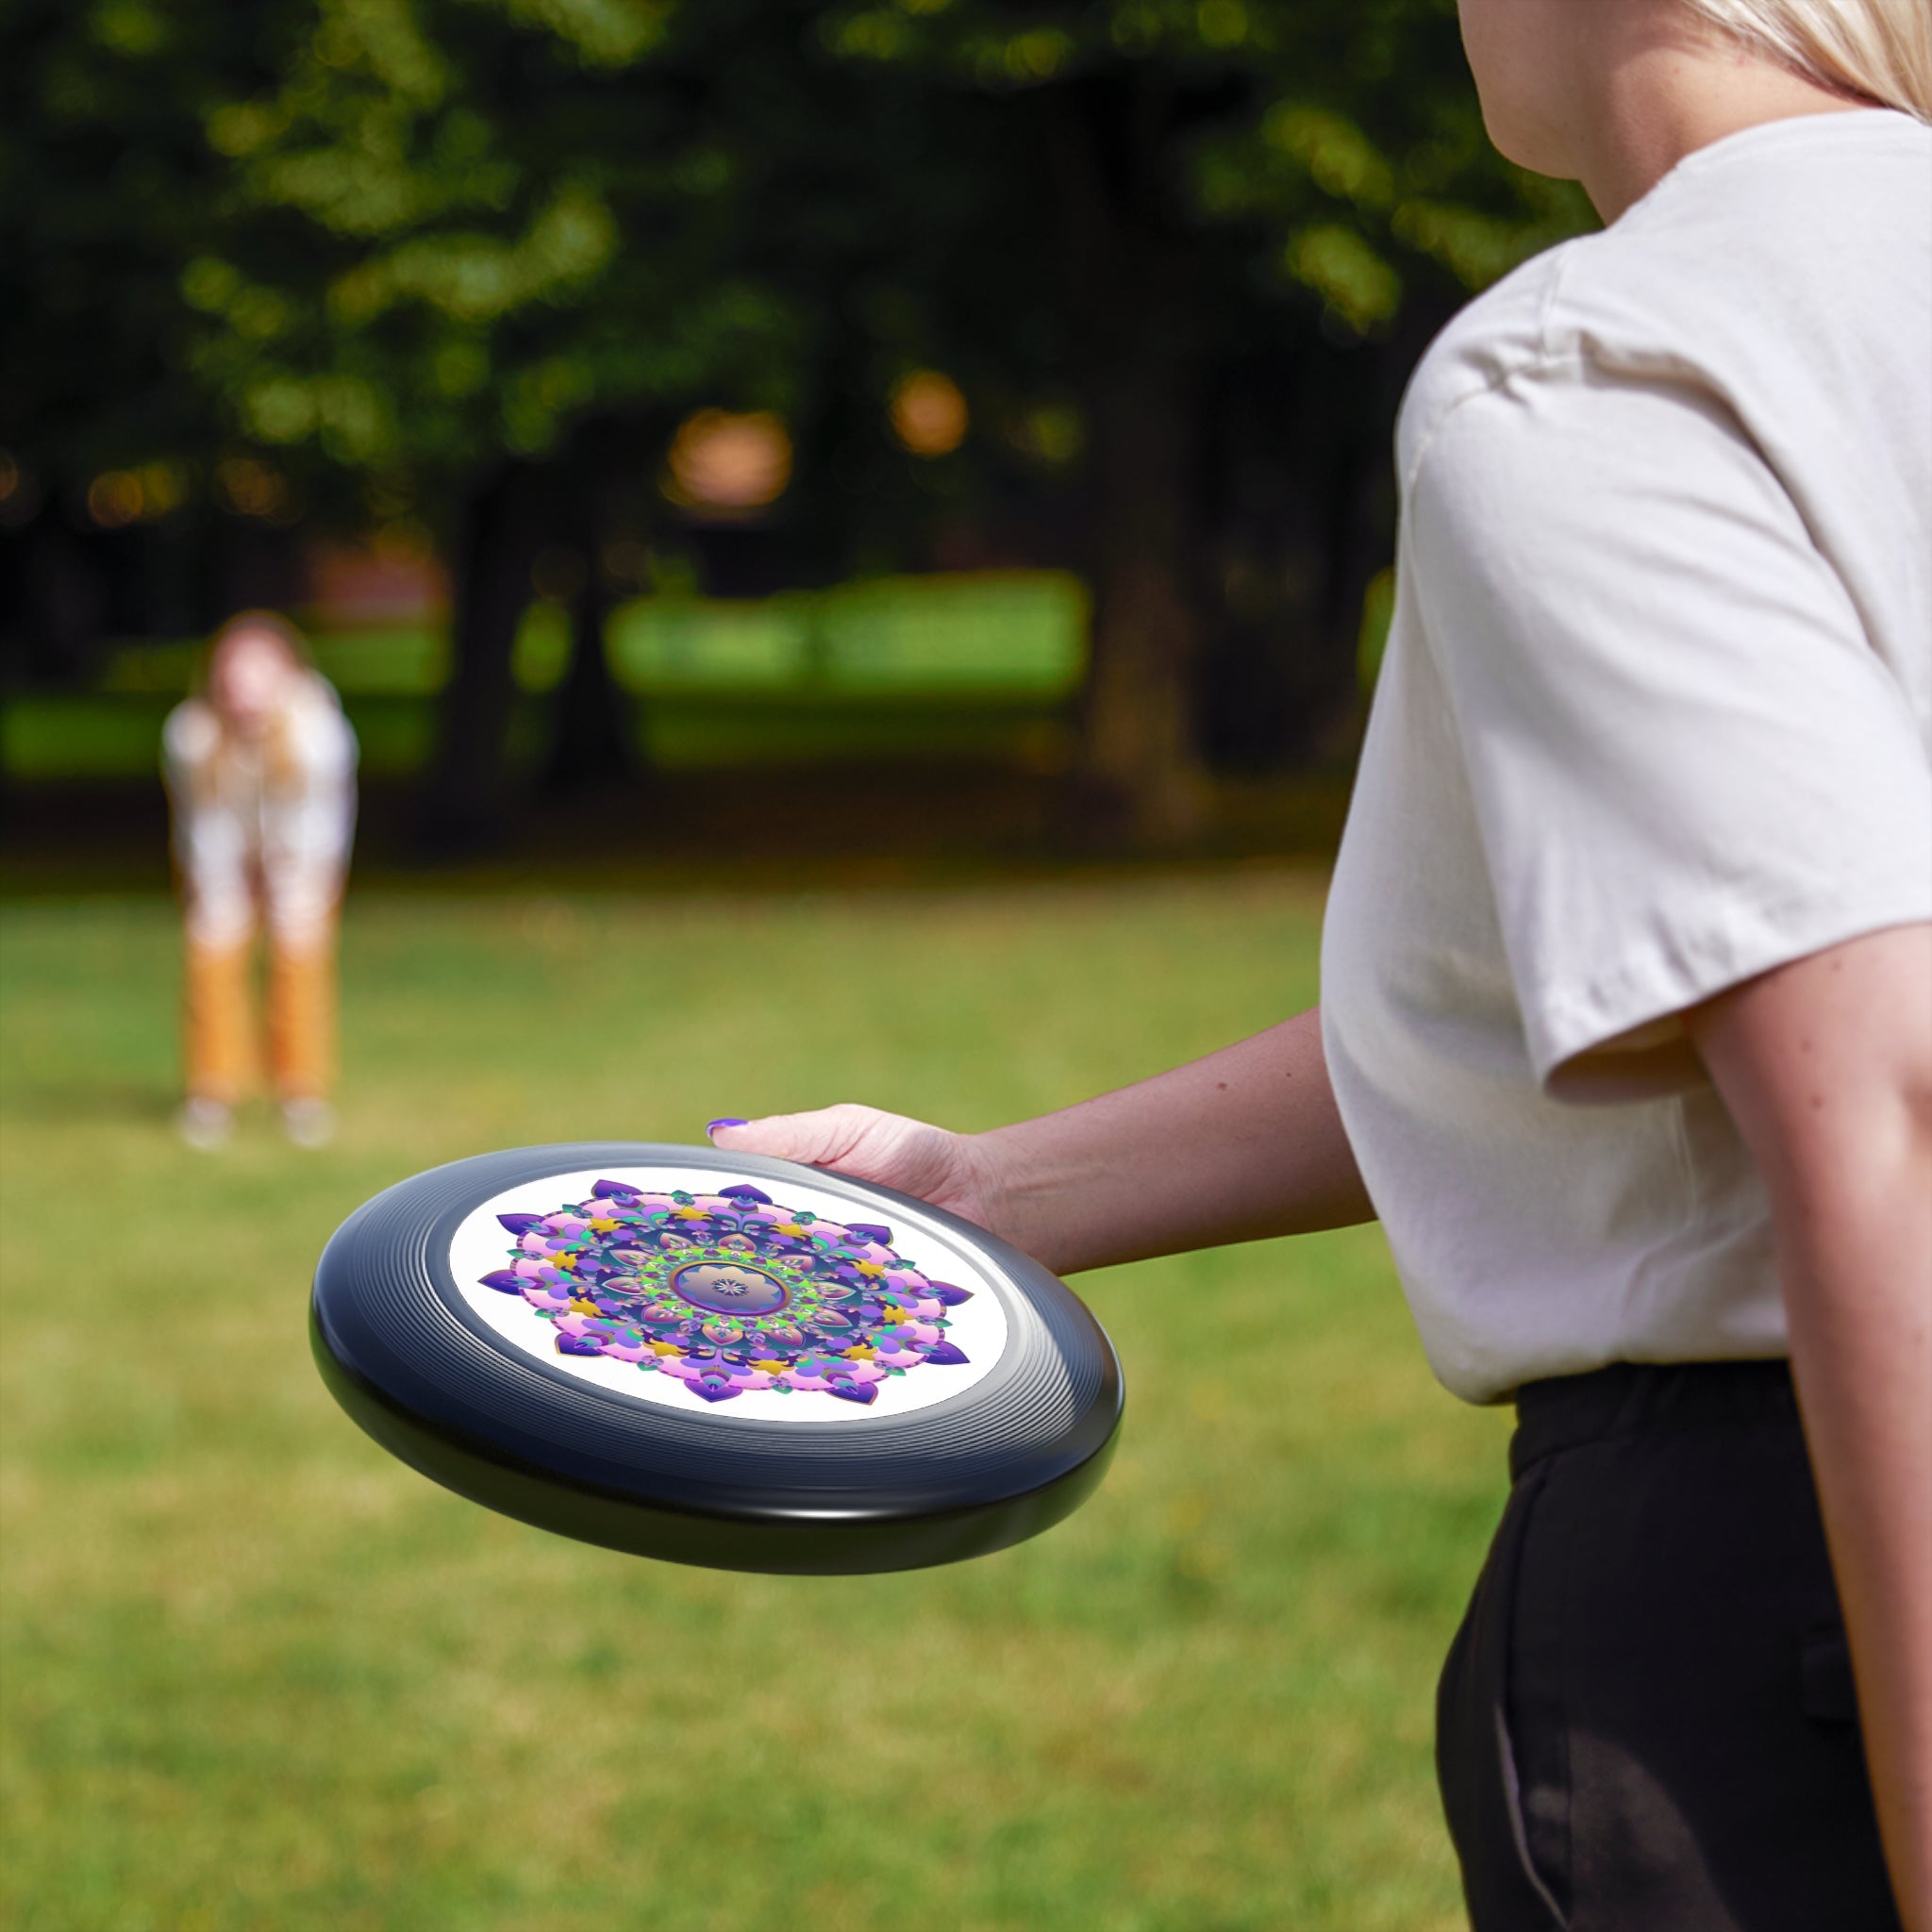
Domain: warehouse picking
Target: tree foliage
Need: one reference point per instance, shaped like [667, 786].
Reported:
[415, 252]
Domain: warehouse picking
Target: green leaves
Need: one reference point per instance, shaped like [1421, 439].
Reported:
[1354, 281]
[473, 276]
[602, 33]
[400, 237]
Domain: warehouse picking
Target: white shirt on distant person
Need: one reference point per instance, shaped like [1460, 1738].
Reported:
[262, 827]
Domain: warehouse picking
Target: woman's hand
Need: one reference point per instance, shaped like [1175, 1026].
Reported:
[949, 1170]
[1237, 1147]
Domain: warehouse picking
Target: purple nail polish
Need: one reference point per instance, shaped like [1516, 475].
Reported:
[714, 1125]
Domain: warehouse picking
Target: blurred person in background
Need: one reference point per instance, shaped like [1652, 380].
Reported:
[261, 768]
[1627, 1021]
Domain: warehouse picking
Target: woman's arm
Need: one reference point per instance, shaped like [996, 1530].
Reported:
[1826, 1068]
[1243, 1144]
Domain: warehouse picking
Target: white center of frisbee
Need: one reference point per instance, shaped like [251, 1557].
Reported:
[803, 1308]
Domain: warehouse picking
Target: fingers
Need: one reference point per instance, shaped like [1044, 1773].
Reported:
[820, 1139]
[886, 1148]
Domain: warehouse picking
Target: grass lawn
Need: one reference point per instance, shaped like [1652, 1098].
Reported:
[256, 1675]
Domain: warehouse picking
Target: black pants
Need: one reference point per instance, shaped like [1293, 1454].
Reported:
[1646, 1721]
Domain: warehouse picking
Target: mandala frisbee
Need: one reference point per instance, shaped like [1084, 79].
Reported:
[718, 1359]
[730, 1292]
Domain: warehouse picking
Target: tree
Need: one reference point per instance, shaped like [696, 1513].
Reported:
[110, 191]
[1218, 201]
[470, 261]
[491, 238]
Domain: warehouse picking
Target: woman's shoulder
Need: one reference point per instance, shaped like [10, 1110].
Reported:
[318, 732]
[191, 733]
[1498, 334]
[1784, 253]
[316, 696]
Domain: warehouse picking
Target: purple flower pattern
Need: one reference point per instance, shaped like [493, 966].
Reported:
[728, 1293]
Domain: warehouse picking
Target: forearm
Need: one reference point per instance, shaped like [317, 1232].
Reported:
[1826, 1068]
[1859, 1297]
[1241, 1145]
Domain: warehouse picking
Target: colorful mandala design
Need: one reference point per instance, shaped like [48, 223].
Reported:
[728, 1293]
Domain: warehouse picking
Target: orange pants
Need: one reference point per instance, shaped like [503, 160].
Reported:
[222, 1046]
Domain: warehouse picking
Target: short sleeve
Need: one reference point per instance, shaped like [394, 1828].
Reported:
[187, 741]
[1688, 761]
[321, 737]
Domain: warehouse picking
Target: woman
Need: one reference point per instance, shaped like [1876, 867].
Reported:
[261, 768]
[1627, 1020]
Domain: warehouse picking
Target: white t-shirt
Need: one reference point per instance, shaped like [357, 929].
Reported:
[1655, 716]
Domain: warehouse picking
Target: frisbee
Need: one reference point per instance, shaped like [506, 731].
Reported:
[715, 1359]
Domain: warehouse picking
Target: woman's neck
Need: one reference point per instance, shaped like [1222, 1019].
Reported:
[1655, 97]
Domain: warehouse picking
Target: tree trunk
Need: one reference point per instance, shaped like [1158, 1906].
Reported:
[592, 746]
[1140, 738]
[593, 741]
[467, 799]
[63, 602]
[1132, 302]
[1358, 484]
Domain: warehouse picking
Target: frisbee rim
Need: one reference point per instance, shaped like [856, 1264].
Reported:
[795, 1543]
[782, 1499]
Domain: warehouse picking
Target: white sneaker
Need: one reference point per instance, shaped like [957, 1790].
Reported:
[309, 1122]
[204, 1124]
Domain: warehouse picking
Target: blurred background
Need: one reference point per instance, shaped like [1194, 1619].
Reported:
[855, 540]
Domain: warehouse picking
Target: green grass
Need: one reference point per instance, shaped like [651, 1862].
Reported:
[981, 665]
[69, 735]
[256, 1675]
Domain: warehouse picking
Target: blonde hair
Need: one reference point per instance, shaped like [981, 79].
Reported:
[1879, 50]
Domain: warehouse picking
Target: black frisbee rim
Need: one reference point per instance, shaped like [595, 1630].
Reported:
[418, 1370]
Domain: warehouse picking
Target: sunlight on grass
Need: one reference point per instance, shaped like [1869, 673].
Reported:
[259, 1675]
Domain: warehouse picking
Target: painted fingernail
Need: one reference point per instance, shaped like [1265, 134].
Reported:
[713, 1127]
